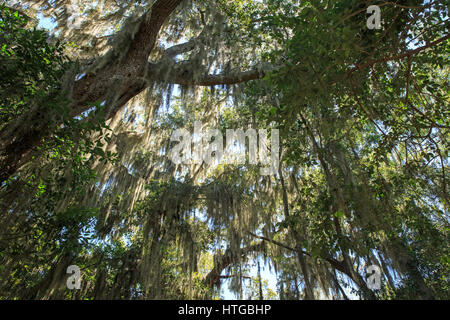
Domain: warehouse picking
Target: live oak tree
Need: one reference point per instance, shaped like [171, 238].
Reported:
[86, 180]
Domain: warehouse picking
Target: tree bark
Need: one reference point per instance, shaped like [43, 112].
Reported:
[124, 76]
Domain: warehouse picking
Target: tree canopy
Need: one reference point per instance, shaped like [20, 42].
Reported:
[88, 109]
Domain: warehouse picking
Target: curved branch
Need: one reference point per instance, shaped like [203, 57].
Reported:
[180, 48]
[95, 86]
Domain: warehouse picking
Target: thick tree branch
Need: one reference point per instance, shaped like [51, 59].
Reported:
[279, 244]
[228, 259]
[180, 48]
[185, 78]
[145, 38]
[124, 74]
